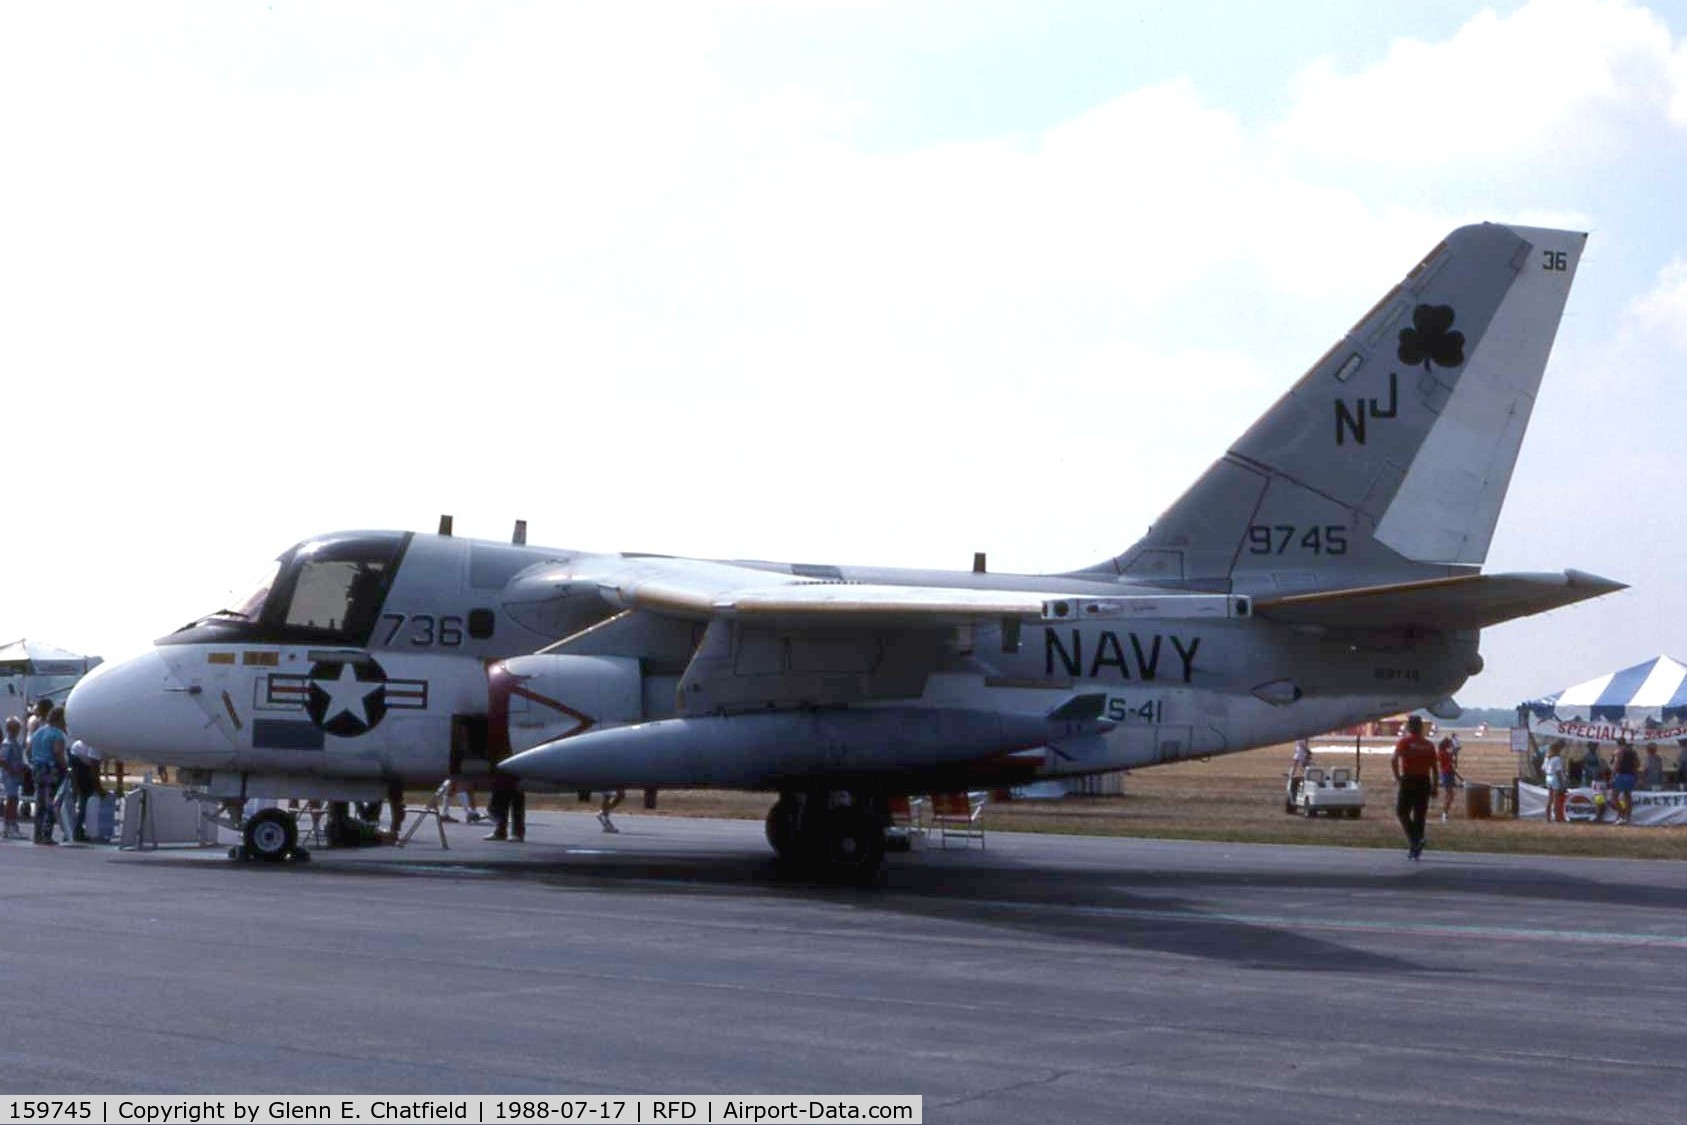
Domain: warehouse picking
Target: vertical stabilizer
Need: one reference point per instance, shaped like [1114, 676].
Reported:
[1388, 461]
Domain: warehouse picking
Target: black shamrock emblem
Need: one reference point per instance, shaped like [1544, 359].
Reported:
[1430, 339]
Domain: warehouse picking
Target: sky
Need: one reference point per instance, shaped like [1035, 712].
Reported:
[869, 283]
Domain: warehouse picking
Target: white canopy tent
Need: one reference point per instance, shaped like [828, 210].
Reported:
[1644, 704]
[32, 670]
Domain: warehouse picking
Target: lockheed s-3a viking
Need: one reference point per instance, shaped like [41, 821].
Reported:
[1326, 570]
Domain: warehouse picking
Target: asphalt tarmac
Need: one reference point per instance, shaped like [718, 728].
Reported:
[1039, 978]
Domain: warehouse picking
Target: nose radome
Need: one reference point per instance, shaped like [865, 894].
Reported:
[139, 709]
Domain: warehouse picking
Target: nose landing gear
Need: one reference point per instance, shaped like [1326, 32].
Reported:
[270, 836]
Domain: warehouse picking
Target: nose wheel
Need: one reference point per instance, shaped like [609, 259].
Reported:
[269, 836]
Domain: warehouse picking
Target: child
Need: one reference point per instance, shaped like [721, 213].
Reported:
[1447, 762]
[12, 774]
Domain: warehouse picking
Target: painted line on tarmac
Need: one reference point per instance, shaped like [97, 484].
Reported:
[1354, 925]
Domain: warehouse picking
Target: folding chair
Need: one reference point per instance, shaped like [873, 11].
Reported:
[415, 816]
[958, 815]
[906, 817]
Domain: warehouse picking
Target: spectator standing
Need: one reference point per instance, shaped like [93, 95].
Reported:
[12, 772]
[84, 783]
[1557, 781]
[463, 789]
[1297, 769]
[1592, 768]
[610, 801]
[38, 712]
[1413, 765]
[508, 808]
[47, 762]
[1625, 768]
[395, 801]
[1447, 764]
[1652, 769]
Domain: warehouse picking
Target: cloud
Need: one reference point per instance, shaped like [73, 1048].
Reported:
[1664, 307]
[1502, 91]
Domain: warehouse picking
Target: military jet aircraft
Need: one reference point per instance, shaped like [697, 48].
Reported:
[1324, 571]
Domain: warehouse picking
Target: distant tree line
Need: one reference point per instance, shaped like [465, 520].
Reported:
[1493, 716]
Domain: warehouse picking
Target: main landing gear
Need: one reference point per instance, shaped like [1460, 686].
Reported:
[838, 836]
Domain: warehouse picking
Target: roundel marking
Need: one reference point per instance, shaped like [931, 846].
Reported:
[347, 697]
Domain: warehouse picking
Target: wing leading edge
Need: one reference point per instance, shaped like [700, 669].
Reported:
[1473, 601]
[705, 591]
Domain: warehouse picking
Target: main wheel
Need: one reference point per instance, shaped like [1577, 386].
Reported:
[270, 835]
[852, 844]
[783, 822]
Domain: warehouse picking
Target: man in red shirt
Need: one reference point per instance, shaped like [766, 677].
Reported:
[1414, 770]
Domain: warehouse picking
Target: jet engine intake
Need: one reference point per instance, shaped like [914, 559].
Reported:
[537, 699]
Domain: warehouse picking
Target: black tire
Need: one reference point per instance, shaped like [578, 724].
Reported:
[854, 845]
[270, 835]
[782, 826]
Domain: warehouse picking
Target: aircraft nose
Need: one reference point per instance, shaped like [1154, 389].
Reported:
[139, 709]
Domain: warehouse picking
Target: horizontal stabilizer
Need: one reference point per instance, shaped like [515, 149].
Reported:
[1473, 601]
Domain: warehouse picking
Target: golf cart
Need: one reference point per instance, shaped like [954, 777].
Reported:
[1333, 792]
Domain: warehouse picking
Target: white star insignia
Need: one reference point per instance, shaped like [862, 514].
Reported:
[347, 695]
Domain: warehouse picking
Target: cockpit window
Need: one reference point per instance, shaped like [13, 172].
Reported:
[250, 605]
[332, 589]
[322, 591]
[339, 595]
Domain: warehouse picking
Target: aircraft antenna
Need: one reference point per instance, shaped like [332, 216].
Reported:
[978, 562]
[520, 536]
[445, 525]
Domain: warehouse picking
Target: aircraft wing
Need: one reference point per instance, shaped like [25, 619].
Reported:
[720, 590]
[1473, 601]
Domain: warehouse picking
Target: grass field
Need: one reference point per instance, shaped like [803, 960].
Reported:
[1239, 797]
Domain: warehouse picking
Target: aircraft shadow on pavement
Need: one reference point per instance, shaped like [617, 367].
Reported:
[1097, 908]
[1176, 909]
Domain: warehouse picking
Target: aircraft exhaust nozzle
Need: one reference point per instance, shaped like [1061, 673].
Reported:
[766, 748]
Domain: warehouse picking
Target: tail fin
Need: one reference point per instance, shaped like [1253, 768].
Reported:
[1389, 459]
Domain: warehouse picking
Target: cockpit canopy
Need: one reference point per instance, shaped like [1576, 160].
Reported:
[322, 591]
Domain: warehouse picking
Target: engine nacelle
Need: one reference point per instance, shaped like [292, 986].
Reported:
[536, 699]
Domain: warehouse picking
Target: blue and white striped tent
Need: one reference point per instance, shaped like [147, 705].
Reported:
[1644, 697]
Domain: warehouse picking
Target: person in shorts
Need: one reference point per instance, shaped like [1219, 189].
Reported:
[1625, 768]
[1557, 781]
[1447, 765]
[12, 772]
